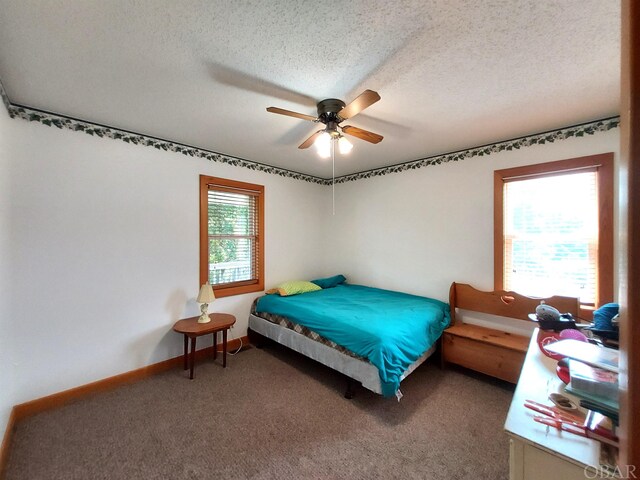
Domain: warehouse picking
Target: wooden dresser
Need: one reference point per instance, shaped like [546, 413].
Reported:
[538, 452]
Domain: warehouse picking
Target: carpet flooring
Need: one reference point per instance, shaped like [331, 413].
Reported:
[271, 414]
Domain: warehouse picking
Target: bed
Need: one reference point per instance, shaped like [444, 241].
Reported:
[375, 337]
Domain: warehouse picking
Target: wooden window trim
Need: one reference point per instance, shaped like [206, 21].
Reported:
[238, 288]
[604, 165]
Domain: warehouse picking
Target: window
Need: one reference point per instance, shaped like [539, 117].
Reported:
[231, 236]
[554, 229]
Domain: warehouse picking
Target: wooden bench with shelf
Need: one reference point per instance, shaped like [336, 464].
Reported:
[493, 351]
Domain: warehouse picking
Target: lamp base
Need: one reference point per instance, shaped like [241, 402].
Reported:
[204, 317]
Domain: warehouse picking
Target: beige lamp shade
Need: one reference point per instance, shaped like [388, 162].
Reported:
[206, 294]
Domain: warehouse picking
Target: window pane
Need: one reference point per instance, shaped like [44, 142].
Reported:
[231, 260]
[232, 231]
[231, 214]
[551, 233]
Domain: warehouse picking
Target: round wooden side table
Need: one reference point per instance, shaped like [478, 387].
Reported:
[191, 329]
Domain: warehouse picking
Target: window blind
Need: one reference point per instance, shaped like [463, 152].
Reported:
[551, 235]
[232, 235]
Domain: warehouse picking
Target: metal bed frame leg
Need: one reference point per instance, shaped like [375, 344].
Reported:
[256, 339]
[351, 389]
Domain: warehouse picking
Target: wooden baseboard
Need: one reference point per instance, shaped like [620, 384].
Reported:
[59, 399]
[6, 442]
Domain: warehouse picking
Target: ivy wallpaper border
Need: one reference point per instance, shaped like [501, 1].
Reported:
[103, 131]
[581, 130]
[64, 122]
[5, 99]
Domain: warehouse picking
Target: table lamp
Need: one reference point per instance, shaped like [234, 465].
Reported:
[205, 297]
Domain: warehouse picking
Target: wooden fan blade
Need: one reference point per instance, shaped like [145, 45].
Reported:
[362, 134]
[289, 113]
[309, 141]
[364, 100]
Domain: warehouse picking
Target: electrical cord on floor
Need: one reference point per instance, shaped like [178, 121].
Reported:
[238, 350]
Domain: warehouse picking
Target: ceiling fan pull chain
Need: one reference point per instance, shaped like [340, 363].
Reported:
[333, 174]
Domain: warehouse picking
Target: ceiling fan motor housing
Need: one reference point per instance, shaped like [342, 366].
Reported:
[328, 110]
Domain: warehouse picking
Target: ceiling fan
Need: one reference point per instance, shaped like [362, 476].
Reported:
[332, 112]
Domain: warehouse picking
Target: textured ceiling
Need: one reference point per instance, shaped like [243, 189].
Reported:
[452, 74]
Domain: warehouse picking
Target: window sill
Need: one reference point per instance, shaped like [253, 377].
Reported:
[239, 290]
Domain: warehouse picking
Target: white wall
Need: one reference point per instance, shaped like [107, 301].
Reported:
[420, 230]
[103, 238]
[99, 244]
[7, 324]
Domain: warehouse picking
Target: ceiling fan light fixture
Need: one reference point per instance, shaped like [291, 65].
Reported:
[324, 152]
[344, 145]
[323, 145]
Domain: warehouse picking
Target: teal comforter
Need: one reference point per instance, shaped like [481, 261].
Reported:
[391, 329]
